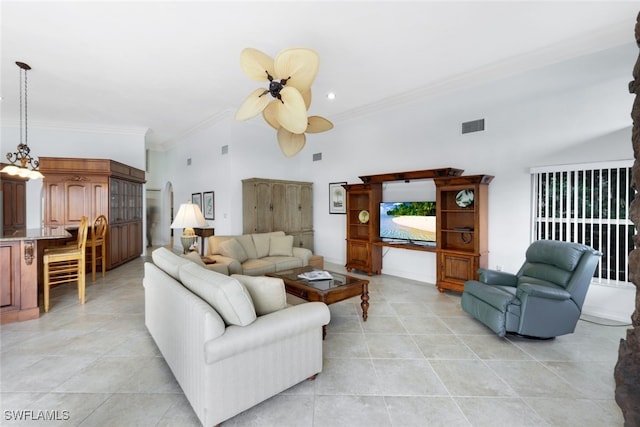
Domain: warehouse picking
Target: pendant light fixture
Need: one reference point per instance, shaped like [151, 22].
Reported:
[22, 164]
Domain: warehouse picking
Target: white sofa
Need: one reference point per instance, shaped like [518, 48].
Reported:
[251, 346]
[257, 254]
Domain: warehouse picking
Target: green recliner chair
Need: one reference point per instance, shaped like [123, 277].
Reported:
[543, 299]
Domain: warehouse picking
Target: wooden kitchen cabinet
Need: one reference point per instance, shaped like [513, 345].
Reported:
[14, 204]
[91, 187]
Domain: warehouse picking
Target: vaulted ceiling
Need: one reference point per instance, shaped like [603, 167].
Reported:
[167, 67]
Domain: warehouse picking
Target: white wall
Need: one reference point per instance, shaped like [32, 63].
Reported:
[571, 112]
[127, 148]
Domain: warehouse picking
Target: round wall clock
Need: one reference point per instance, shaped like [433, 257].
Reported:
[363, 217]
[464, 198]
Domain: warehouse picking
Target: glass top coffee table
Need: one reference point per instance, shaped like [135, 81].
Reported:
[339, 288]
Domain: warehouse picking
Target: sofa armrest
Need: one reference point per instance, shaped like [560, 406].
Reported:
[219, 268]
[303, 253]
[233, 265]
[494, 277]
[529, 289]
[273, 327]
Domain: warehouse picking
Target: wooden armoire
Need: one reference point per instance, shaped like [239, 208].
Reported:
[278, 205]
[90, 187]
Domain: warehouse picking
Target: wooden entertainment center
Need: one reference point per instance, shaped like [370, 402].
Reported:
[461, 224]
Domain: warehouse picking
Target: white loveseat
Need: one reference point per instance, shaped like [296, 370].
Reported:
[251, 346]
[257, 254]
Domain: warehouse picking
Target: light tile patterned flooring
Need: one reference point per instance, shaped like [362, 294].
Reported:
[418, 360]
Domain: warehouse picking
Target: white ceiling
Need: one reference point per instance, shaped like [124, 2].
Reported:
[171, 66]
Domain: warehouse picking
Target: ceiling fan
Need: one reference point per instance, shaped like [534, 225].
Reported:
[285, 102]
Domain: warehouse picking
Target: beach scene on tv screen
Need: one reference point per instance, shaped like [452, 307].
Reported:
[408, 220]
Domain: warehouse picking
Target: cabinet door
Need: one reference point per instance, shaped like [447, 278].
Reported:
[115, 208]
[77, 201]
[279, 211]
[137, 211]
[303, 239]
[292, 209]
[54, 199]
[455, 270]
[99, 200]
[306, 207]
[263, 208]
[14, 203]
[358, 254]
[10, 279]
[115, 244]
[134, 239]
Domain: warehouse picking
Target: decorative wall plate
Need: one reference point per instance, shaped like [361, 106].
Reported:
[363, 217]
[464, 198]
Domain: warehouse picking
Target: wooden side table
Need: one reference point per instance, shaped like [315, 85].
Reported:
[317, 261]
[203, 233]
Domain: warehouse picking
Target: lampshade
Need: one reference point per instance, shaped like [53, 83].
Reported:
[189, 216]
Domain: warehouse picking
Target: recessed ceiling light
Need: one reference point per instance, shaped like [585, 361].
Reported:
[331, 95]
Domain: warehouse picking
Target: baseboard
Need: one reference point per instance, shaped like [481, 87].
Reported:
[610, 302]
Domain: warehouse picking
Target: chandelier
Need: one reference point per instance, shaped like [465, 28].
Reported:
[22, 164]
[284, 103]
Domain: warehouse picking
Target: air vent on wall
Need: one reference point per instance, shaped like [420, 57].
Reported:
[317, 157]
[473, 126]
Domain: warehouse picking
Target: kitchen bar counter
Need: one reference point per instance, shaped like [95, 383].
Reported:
[39, 234]
[20, 267]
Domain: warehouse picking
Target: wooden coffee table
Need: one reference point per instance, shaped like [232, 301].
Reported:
[339, 288]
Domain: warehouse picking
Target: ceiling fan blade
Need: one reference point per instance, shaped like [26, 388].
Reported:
[254, 64]
[291, 112]
[306, 95]
[318, 124]
[270, 114]
[253, 105]
[290, 143]
[298, 63]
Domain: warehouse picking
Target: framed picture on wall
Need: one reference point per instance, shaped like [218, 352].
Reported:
[208, 205]
[337, 198]
[196, 199]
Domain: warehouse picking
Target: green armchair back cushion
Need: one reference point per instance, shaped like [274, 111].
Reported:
[543, 299]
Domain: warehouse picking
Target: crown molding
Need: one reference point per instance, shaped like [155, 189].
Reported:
[77, 127]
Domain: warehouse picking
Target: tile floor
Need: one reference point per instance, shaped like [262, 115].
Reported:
[418, 360]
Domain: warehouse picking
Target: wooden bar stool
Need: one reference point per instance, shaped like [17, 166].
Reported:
[98, 239]
[66, 264]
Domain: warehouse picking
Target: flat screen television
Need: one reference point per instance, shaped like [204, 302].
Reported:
[413, 222]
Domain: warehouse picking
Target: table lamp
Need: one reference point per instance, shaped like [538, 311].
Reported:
[189, 216]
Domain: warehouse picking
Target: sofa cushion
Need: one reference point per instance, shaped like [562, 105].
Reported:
[281, 246]
[284, 262]
[168, 262]
[225, 294]
[267, 293]
[262, 240]
[246, 241]
[215, 242]
[258, 267]
[232, 249]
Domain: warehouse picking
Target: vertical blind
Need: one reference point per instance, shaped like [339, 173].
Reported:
[587, 204]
